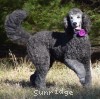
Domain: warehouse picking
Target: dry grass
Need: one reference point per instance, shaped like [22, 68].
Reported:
[14, 82]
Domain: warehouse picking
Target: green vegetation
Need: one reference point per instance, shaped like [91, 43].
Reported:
[95, 31]
[48, 15]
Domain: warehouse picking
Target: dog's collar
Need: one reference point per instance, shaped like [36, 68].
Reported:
[81, 33]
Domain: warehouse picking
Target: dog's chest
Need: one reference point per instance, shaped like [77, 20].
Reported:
[77, 47]
[74, 48]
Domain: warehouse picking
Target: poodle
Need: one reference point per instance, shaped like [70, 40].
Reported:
[71, 47]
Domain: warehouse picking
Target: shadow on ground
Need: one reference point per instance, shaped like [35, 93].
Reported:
[51, 92]
[24, 83]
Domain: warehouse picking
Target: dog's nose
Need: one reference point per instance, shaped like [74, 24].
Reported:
[74, 23]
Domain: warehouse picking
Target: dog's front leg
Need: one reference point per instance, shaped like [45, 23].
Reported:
[88, 77]
[78, 68]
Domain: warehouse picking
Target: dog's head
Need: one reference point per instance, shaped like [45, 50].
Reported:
[77, 20]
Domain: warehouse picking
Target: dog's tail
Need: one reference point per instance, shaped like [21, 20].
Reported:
[13, 27]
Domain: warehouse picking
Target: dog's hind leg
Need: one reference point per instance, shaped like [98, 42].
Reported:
[41, 59]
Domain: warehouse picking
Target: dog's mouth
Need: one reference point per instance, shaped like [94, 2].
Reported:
[77, 29]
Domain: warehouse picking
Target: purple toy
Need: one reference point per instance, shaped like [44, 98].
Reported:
[81, 33]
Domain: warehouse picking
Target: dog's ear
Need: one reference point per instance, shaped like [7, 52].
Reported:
[86, 22]
[65, 21]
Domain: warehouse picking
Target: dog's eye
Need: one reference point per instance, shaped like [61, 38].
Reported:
[71, 17]
[78, 16]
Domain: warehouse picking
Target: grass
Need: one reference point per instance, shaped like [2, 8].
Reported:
[62, 83]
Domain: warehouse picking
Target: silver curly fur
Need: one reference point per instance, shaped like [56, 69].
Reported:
[45, 47]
